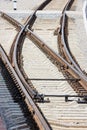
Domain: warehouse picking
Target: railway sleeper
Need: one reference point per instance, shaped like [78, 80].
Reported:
[19, 127]
[14, 113]
[78, 89]
[20, 119]
[82, 90]
[14, 123]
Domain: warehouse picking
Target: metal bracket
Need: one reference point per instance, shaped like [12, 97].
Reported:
[81, 99]
[40, 98]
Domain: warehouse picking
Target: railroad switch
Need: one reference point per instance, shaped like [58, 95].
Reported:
[40, 98]
[80, 99]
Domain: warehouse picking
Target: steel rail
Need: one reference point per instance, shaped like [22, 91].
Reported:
[63, 34]
[12, 98]
[18, 26]
[44, 43]
[39, 118]
[30, 21]
[85, 78]
[57, 58]
[16, 52]
[37, 115]
[11, 20]
[15, 63]
[40, 79]
[17, 40]
[68, 5]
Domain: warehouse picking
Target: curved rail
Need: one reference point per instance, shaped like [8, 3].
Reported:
[19, 40]
[57, 59]
[64, 47]
[18, 102]
[68, 5]
[64, 41]
[17, 52]
[15, 59]
[30, 21]
[37, 115]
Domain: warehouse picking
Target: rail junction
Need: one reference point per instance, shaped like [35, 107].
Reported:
[49, 79]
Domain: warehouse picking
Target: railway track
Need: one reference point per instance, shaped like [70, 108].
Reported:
[13, 108]
[15, 59]
[42, 69]
[57, 59]
[34, 110]
[73, 25]
[56, 104]
[65, 50]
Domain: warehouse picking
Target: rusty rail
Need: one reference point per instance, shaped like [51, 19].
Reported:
[15, 60]
[57, 59]
[41, 44]
[64, 46]
[63, 34]
[37, 115]
[17, 52]
[11, 20]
